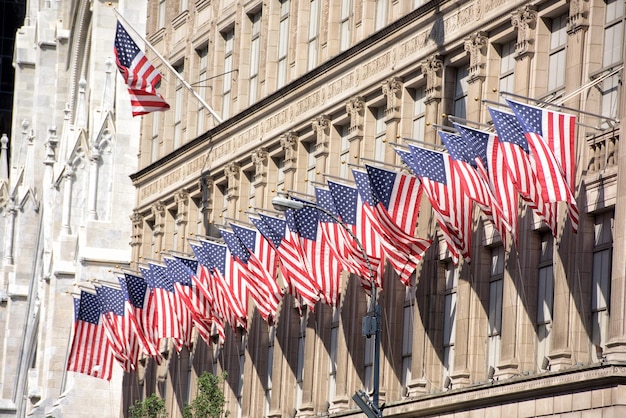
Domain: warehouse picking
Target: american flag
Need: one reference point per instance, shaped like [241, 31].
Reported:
[261, 261]
[292, 268]
[399, 255]
[551, 136]
[465, 160]
[445, 193]
[397, 210]
[322, 265]
[91, 352]
[341, 242]
[214, 256]
[162, 289]
[139, 74]
[118, 327]
[491, 167]
[253, 285]
[519, 164]
[182, 271]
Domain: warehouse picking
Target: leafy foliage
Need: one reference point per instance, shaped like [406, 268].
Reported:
[210, 399]
[151, 407]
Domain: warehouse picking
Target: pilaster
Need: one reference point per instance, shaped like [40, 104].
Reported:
[476, 47]
[288, 142]
[260, 160]
[392, 90]
[233, 173]
[525, 20]
[321, 127]
[432, 68]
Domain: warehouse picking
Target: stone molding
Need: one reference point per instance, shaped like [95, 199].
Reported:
[525, 20]
[476, 46]
[432, 68]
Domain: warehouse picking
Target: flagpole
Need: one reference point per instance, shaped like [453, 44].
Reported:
[169, 66]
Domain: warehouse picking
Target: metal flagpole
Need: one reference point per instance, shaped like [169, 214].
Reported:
[169, 66]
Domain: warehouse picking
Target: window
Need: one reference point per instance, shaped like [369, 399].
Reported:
[419, 112]
[381, 14]
[460, 92]
[311, 167]
[270, 366]
[255, 51]
[545, 297]
[612, 54]
[407, 335]
[203, 64]
[161, 14]
[506, 81]
[344, 156]
[228, 67]
[332, 365]
[449, 320]
[494, 316]
[556, 61]
[601, 280]
[154, 149]
[223, 188]
[346, 13]
[380, 132]
[283, 42]
[314, 33]
[279, 163]
[300, 365]
[178, 108]
[251, 189]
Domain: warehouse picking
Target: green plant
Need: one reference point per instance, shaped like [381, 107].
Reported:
[151, 407]
[210, 400]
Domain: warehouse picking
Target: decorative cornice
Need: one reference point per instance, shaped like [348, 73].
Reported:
[288, 142]
[259, 159]
[432, 68]
[355, 107]
[321, 127]
[181, 197]
[525, 20]
[392, 90]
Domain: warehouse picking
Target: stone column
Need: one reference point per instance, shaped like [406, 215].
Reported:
[288, 142]
[233, 173]
[181, 198]
[432, 69]
[392, 90]
[94, 161]
[321, 127]
[260, 160]
[51, 144]
[68, 176]
[11, 212]
[355, 107]
[476, 47]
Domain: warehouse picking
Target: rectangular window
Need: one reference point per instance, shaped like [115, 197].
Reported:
[279, 163]
[380, 132]
[556, 60]
[381, 14]
[344, 157]
[611, 55]
[314, 33]
[601, 278]
[161, 14]
[251, 189]
[494, 330]
[345, 33]
[229, 43]
[201, 89]
[407, 335]
[460, 92]
[419, 112]
[283, 42]
[311, 170]
[506, 81]
[449, 319]
[178, 108]
[255, 51]
[545, 297]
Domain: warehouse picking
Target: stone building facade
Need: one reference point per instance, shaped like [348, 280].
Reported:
[65, 200]
[308, 89]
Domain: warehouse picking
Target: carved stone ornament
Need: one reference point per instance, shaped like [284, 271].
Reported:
[288, 142]
[51, 145]
[578, 18]
[392, 90]
[476, 46]
[137, 222]
[259, 159]
[232, 172]
[158, 212]
[206, 188]
[525, 20]
[432, 69]
[355, 107]
[321, 127]
[181, 197]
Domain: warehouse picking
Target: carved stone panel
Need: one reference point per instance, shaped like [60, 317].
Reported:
[432, 69]
[476, 46]
[525, 20]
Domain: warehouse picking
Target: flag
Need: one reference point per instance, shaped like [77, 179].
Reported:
[353, 257]
[399, 255]
[90, 352]
[118, 327]
[492, 168]
[520, 166]
[320, 261]
[141, 311]
[162, 293]
[398, 198]
[551, 136]
[465, 160]
[139, 75]
[291, 265]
